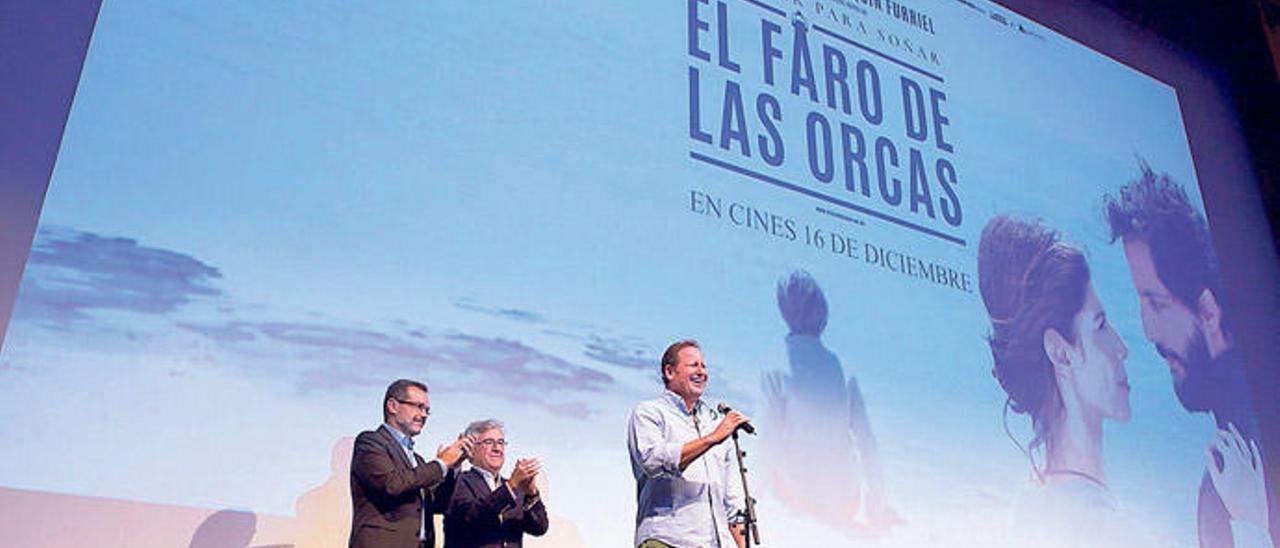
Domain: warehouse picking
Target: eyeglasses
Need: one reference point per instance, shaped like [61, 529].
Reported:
[491, 442]
[426, 409]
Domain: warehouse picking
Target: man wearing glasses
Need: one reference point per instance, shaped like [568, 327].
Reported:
[487, 510]
[393, 490]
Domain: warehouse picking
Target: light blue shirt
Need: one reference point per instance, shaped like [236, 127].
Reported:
[691, 508]
[406, 443]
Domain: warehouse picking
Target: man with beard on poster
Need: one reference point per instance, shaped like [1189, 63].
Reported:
[1174, 271]
[687, 490]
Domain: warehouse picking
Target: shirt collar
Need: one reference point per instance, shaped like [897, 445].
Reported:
[678, 402]
[488, 477]
[402, 439]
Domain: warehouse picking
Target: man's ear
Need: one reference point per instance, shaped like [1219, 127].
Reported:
[1057, 349]
[666, 373]
[1209, 317]
[1208, 310]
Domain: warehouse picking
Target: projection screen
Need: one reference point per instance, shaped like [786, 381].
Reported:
[264, 212]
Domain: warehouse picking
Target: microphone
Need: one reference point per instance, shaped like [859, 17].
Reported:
[724, 409]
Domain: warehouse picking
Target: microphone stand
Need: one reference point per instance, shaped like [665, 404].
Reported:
[749, 529]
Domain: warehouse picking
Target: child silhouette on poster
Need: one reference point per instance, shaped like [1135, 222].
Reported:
[811, 407]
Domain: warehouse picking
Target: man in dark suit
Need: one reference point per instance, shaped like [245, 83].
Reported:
[487, 510]
[393, 490]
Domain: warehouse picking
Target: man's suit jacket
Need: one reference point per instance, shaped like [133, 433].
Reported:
[478, 517]
[388, 496]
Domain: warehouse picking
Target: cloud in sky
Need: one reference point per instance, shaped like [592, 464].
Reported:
[620, 352]
[523, 366]
[501, 312]
[72, 272]
[336, 357]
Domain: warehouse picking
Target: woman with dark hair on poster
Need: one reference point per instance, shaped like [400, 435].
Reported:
[1060, 362]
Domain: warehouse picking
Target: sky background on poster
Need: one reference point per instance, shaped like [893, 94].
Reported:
[326, 197]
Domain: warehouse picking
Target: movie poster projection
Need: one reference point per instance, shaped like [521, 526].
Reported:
[888, 223]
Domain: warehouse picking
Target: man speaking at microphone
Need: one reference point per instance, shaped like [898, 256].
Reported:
[688, 494]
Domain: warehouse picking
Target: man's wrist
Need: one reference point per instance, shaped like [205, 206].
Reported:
[513, 487]
[531, 499]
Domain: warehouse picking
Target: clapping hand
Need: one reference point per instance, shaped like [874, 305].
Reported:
[453, 453]
[523, 476]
